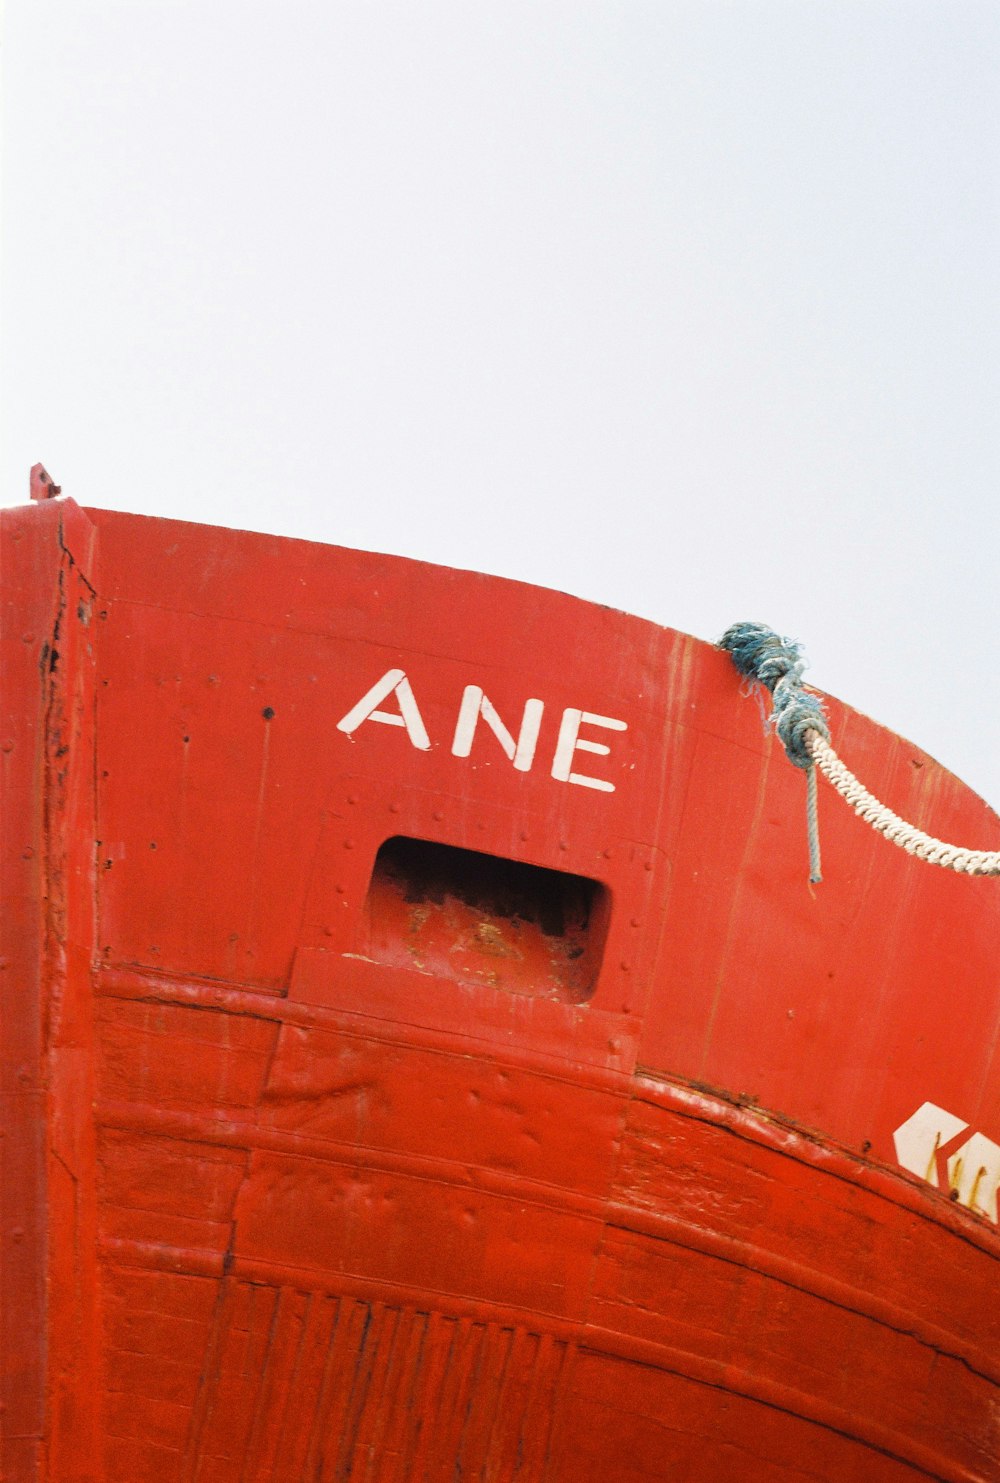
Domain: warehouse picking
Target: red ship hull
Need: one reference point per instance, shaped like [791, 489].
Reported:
[424, 1057]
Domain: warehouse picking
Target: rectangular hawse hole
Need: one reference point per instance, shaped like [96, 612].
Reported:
[481, 919]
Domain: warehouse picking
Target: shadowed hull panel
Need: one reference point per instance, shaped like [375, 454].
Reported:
[340, 1292]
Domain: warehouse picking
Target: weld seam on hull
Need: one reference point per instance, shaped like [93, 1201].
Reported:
[897, 1187]
[803, 1279]
[612, 1214]
[657, 1089]
[583, 1336]
[234, 1133]
[114, 983]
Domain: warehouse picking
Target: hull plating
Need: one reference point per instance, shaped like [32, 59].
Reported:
[423, 1057]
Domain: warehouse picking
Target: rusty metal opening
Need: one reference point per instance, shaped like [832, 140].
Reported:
[478, 918]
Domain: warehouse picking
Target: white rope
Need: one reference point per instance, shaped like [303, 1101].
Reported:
[812, 826]
[913, 841]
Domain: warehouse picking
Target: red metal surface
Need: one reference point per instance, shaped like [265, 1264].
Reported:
[423, 1057]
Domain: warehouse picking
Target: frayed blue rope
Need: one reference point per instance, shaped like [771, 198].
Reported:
[763, 658]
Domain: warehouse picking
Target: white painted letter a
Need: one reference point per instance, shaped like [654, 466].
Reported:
[393, 681]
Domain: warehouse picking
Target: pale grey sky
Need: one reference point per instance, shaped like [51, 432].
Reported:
[689, 308]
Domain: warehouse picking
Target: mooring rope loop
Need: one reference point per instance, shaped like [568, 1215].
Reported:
[763, 658]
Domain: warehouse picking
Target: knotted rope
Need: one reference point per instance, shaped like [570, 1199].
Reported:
[798, 718]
